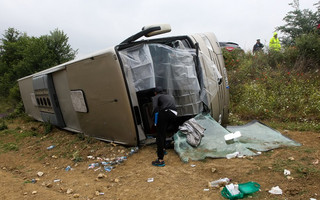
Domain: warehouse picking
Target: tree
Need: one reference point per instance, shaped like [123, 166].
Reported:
[298, 22]
[12, 45]
[21, 55]
[58, 46]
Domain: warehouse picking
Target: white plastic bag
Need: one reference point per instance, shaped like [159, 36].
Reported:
[275, 190]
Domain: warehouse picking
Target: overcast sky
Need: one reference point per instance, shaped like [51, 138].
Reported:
[92, 25]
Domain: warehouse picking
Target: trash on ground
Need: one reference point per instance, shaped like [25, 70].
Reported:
[69, 191]
[68, 168]
[219, 183]
[97, 169]
[108, 168]
[40, 174]
[133, 150]
[93, 165]
[234, 191]
[150, 180]
[231, 136]
[291, 158]
[206, 189]
[290, 178]
[51, 147]
[315, 162]
[275, 190]
[286, 172]
[192, 165]
[232, 155]
[56, 180]
[101, 175]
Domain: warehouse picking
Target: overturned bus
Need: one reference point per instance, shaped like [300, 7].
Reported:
[107, 95]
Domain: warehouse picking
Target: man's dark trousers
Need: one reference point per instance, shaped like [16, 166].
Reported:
[165, 117]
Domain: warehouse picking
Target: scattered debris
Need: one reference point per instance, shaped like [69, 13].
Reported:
[113, 144]
[275, 190]
[108, 164]
[56, 180]
[232, 136]
[315, 162]
[150, 180]
[68, 168]
[69, 191]
[49, 185]
[219, 183]
[232, 155]
[206, 189]
[286, 172]
[25, 193]
[291, 158]
[116, 180]
[290, 178]
[40, 174]
[101, 175]
[54, 156]
[238, 191]
[192, 165]
[233, 189]
[213, 170]
[34, 192]
[51, 147]
[76, 195]
[133, 150]
[97, 169]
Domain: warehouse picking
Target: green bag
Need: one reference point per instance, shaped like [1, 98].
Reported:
[244, 188]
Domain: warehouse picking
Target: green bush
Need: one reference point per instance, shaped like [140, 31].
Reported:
[3, 125]
[308, 46]
[274, 86]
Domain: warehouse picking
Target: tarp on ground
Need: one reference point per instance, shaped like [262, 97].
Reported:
[255, 137]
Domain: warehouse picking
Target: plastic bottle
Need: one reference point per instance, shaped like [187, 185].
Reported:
[51, 147]
[108, 168]
[156, 118]
[133, 150]
[68, 168]
[220, 182]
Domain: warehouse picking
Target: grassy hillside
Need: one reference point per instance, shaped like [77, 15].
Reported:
[280, 88]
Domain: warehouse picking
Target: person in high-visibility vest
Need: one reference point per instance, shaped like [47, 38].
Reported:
[274, 43]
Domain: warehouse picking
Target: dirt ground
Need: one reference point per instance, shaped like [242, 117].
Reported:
[23, 157]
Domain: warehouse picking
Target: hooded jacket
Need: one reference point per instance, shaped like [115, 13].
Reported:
[274, 43]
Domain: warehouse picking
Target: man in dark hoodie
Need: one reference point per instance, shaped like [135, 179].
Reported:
[164, 105]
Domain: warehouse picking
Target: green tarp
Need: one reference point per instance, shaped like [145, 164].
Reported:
[255, 137]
